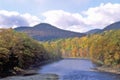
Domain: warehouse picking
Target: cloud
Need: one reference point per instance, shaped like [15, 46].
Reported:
[14, 19]
[65, 20]
[103, 15]
[96, 17]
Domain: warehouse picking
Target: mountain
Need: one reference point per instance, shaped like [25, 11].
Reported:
[45, 32]
[113, 26]
[93, 31]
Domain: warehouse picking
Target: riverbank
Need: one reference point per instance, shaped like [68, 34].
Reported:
[33, 77]
[107, 69]
[32, 70]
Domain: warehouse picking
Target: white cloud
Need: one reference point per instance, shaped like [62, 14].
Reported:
[65, 20]
[103, 15]
[96, 17]
[14, 19]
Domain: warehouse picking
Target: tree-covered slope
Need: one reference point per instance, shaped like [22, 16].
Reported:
[113, 26]
[19, 50]
[103, 49]
[45, 32]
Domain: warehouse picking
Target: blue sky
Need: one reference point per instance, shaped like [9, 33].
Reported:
[74, 15]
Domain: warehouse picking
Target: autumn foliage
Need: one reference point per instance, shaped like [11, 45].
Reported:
[103, 49]
[19, 50]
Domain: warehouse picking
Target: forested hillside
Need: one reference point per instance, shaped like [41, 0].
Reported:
[103, 49]
[113, 26]
[46, 32]
[19, 50]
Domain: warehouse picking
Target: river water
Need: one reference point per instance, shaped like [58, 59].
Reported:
[76, 69]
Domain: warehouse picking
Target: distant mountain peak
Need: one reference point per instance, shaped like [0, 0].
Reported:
[93, 31]
[42, 24]
[45, 32]
[113, 26]
[45, 26]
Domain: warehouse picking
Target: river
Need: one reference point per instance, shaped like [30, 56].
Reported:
[76, 69]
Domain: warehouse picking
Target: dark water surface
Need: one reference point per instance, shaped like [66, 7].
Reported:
[76, 69]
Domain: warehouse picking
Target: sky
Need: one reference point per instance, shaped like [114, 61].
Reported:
[73, 15]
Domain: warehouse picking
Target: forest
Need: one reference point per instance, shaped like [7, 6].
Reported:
[19, 51]
[102, 49]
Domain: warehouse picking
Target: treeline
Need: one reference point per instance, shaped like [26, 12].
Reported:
[17, 50]
[103, 48]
